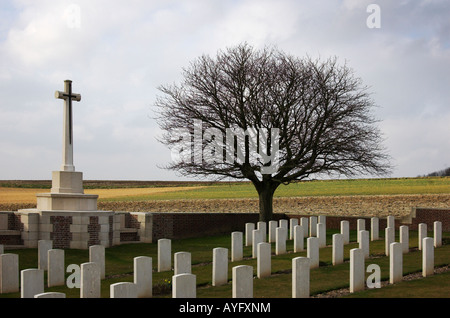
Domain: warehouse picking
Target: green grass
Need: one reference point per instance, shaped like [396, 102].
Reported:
[240, 190]
[119, 268]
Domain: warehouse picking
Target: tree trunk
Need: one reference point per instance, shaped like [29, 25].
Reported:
[265, 193]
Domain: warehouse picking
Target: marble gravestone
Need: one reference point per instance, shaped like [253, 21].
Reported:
[67, 215]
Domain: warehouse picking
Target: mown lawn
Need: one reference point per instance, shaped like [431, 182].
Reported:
[119, 268]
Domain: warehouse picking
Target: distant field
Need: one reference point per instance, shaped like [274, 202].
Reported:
[22, 191]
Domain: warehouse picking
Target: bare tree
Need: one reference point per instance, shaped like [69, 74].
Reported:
[320, 110]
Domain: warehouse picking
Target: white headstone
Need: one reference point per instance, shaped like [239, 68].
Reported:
[32, 282]
[90, 280]
[249, 228]
[404, 238]
[264, 266]
[262, 226]
[389, 237]
[298, 239]
[164, 255]
[312, 225]
[257, 238]
[56, 269]
[338, 249]
[437, 228]
[272, 231]
[312, 251]
[237, 252]
[374, 228]
[357, 272]
[123, 290]
[345, 231]
[9, 273]
[242, 285]
[422, 233]
[292, 223]
[305, 224]
[300, 277]
[360, 226]
[364, 242]
[97, 255]
[50, 295]
[280, 245]
[184, 286]
[220, 266]
[427, 257]
[390, 222]
[182, 263]
[43, 247]
[143, 278]
[395, 262]
[285, 225]
[321, 235]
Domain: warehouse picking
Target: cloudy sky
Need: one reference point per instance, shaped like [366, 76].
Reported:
[118, 52]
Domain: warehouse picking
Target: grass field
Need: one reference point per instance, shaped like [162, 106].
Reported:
[14, 191]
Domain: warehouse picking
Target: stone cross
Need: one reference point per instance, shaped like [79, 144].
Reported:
[67, 96]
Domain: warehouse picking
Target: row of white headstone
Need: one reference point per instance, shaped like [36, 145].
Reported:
[184, 282]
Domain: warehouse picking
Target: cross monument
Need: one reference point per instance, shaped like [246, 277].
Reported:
[68, 97]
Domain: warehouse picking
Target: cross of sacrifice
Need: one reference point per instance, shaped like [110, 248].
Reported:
[67, 96]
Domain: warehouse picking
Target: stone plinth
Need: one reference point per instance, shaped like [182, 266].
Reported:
[69, 229]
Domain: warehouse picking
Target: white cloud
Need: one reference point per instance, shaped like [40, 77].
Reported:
[120, 52]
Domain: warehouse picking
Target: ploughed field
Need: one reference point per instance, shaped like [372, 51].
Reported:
[357, 197]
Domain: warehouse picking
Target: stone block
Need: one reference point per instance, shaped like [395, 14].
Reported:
[142, 276]
[184, 286]
[32, 282]
[300, 277]
[305, 224]
[220, 266]
[390, 222]
[242, 281]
